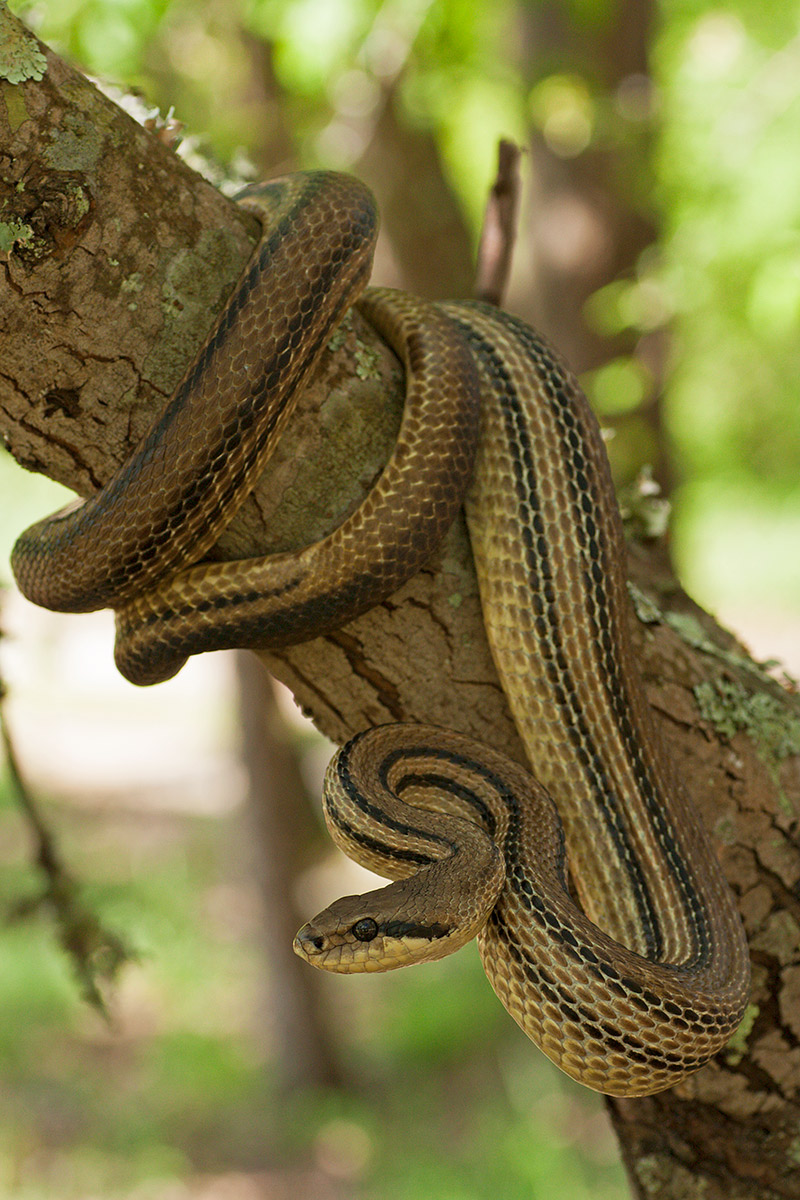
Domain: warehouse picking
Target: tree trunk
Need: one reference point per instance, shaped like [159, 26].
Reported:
[117, 256]
[278, 818]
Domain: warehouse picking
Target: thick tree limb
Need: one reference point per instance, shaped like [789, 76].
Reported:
[127, 257]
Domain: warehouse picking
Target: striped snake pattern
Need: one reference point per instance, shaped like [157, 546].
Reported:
[642, 975]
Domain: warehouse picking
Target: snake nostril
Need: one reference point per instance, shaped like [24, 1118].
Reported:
[318, 942]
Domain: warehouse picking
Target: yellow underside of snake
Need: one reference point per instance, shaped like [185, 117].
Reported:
[647, 979]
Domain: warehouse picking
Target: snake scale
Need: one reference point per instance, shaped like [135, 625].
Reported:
[642, 975]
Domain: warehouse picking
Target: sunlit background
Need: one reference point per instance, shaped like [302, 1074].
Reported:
[688, 347]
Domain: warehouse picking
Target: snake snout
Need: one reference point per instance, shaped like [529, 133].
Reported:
[308, 942]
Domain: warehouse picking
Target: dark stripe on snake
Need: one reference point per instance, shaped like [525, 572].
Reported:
[548, 627]
[384, 849]
[290, 625]
[523, 889]
[410, 929]
[601, 555]
[436, 753]
[381, 818]
[443, 783]
[263, 385]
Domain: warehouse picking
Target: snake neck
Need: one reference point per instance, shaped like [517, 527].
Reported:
[428, 820]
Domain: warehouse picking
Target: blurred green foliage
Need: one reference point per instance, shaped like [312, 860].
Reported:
[729, 193]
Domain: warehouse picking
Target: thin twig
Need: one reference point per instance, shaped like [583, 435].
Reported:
[96, 953]
[499, 227]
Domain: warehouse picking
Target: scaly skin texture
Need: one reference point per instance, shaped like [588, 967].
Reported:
[626, 1016]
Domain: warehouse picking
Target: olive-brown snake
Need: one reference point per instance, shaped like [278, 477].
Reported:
[474, 843]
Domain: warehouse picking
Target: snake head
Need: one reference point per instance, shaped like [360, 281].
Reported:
[373, 933]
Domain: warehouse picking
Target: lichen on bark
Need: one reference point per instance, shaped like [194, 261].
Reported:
[20, 56]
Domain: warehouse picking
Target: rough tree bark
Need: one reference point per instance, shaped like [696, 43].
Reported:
[115, 256]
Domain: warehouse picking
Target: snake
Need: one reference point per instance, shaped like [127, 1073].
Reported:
[603, 919]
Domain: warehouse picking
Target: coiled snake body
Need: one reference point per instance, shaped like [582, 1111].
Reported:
[649, 979]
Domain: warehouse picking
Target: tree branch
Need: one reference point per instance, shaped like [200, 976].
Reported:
[499, 231]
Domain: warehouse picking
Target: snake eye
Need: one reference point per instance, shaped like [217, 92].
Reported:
[365, 929]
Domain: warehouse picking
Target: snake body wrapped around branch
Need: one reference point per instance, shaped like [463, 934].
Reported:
[649, 977]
